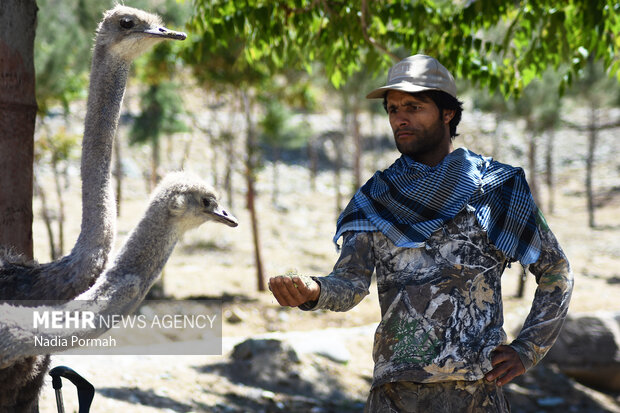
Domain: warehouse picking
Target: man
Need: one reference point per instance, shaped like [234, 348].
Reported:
[439, 227]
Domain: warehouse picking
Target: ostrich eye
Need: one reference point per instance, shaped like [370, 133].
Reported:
[127, 23]
[206, 202]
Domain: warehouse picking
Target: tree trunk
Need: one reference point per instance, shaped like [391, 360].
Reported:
[592, 137]
[522, 280]
[40, 192]
[550, 172]
[157, 291]
[496, 137]
[338, 172]
[213, 145]
[118, 173]
[61, 208]
[531, 155]
[18, 110]
[357, 143]
[187, 150]
[275, 192]
[155, 162]
[230, 156]
[250, 169]
[313, 157]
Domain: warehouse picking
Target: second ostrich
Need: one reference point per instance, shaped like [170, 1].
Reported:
[181, 202]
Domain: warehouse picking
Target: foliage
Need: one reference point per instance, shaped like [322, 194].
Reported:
[594, 88]
[64, 37]
[346, 35]
[279, 131]
[161, 106]
[540, 103]
[219, 66]
[59, 146]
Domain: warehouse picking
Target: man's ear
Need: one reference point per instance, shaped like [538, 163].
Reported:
[448, 114]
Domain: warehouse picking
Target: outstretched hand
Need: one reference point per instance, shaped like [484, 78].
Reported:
[292, 291]
[506, 365]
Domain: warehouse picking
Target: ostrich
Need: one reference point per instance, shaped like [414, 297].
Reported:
[181, 202]
[123, 34]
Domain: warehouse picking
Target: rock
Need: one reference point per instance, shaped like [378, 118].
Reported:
[545, 388]
[256, 348]
[266, 360]
[588, 349]
[235, 315]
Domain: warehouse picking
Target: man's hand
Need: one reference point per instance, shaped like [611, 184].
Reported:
[506, 365]
[292, 291]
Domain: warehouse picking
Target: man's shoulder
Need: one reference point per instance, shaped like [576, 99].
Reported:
[499, 170]
[495, 164]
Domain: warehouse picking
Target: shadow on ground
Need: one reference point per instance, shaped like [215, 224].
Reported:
[141, 397]
[281, 381]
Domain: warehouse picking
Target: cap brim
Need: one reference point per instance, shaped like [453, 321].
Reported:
[403, 87]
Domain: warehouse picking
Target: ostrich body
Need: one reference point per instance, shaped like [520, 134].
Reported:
[123, 34]
[180, 202]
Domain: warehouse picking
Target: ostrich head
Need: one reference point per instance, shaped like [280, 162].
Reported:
[191, 202]
[127, 32]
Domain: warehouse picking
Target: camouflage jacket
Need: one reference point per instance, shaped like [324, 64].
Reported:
[441, 305]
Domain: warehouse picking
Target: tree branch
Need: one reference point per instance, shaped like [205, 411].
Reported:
[369, 39]
[609, 125]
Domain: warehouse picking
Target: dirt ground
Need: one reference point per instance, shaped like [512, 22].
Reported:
[218, 262]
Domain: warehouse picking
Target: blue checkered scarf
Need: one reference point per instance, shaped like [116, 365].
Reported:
[409, 201]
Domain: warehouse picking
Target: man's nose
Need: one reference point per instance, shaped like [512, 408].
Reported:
[401, 119]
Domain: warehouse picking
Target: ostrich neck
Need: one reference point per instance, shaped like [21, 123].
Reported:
[139, 262]
[105, 95]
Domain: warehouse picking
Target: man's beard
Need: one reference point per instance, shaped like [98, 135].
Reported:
[426, 140]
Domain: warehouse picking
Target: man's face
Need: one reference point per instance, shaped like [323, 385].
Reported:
[418, 128]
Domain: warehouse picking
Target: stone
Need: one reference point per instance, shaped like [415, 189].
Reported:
[588, 349]
[266, 360]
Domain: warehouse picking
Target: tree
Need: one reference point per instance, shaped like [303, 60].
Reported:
[345, 35]
[217, 67]
[498, 106]
[353, 104]
[62, 51]
[161, 106]
[597, 91]
[56, 149]
[18, 109]
[540, 106]
[333, 141]
[278, 133]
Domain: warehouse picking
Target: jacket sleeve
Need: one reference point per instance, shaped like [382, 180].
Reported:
[550, 304]
[349, 281]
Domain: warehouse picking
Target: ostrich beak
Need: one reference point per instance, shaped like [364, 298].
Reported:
[220, 215]
[165, 33]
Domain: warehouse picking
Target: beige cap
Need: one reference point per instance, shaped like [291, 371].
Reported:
[416, 74]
